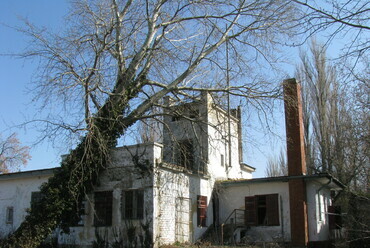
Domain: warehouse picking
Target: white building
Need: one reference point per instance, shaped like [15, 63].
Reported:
[195, 181]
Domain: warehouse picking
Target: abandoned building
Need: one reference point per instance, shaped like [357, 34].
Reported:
[192, 186]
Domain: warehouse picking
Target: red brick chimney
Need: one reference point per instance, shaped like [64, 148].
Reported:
[296, 162]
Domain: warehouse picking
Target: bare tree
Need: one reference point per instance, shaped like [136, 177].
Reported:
[337, 137]
[320, 93]
[349, 19]
[334, 121]
[12, 154]
[277, 166]
[117, 60]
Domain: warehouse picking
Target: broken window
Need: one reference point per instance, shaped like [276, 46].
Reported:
[184, 154]
[103, 202]
[133, 204]
[262, 210]
[9, 215]
[202, 210]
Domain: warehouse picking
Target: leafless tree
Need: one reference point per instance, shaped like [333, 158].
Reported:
[334, 121]
[337, 137]
[116, 61]
[12, 154]
[342, 19]
[277, 166]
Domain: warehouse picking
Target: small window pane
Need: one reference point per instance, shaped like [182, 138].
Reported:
[9, 215]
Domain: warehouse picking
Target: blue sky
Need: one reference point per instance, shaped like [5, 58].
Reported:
[16, 104]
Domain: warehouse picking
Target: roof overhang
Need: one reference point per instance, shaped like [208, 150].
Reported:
[28, 174]
[323, 178]
[247, 167]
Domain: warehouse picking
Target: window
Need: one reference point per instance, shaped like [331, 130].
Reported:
[36, 198]
[262, 210]
[133, 204]
[335, 217]
[202, 210]
[9, 215]
[81, 215]
[184, 154]
[103, 208]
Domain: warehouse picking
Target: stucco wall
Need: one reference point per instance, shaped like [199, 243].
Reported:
[131, 168]
[15, 191]
[175, 197]
[318, 219]
[233, 197]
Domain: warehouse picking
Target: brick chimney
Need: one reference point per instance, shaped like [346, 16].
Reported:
[296, 162]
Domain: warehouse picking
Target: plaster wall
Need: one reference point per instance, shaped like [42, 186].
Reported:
[318, 200]
[175, 206]
[131, 168]
[233, 197]
[16, 193]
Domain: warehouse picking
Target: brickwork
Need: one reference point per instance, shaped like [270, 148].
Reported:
[296, 162]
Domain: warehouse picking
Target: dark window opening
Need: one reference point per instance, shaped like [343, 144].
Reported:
[185, 154]
[133, 204]
[335, 217]
[81, 215]
[9, 215]
[262, 210]
[36, 198]
[202, 210]
[103, 203]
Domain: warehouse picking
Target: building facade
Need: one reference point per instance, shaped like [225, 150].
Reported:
[193, 184]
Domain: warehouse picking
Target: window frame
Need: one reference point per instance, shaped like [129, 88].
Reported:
[136, 204]
[9, 218]
[103, 208]
[36, 198]
[262, 206]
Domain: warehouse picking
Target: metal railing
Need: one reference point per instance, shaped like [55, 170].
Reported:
[235, 219]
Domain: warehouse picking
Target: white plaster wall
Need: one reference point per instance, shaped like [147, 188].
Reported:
[318, 219]
[16, 193]
[233, 197]
[219, 144]
[121, 175]
[170, 185]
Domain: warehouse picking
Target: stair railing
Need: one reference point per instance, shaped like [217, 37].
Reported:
[236, 219]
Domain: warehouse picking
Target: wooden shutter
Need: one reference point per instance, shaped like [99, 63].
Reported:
[202, 210]
[250, 211]
[272, 209]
